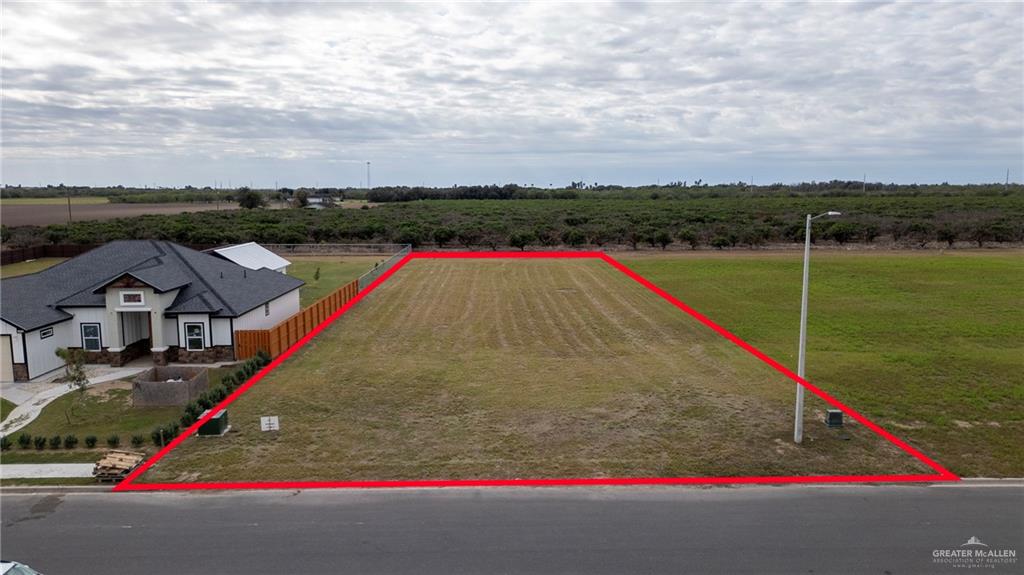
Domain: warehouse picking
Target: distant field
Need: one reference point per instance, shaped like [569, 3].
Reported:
[929, 345]
[335, 271]
[521, 368]
[75, 201]
[36, 214]
[29, 267]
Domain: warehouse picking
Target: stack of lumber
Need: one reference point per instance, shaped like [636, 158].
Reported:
[116, 464]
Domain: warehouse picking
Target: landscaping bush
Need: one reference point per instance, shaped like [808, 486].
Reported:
[163, 435]
[263, 356]
[138, 440]
[5, 443]
[70, 441]
[229, 381]
[40, 442]
[204, 402]
[113, 441]
[90, 441]
[218, 394]
[55, 442]
[24, 441]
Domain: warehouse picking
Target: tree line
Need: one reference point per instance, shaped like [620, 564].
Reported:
[915, 221]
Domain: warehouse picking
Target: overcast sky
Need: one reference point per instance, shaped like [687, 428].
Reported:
[175, 94]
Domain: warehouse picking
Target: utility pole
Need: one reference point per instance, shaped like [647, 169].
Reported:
[1006, 185]
[864, 183]
[368, 186]
[67, 192]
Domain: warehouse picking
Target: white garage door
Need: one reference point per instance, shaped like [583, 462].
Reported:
[6, 361]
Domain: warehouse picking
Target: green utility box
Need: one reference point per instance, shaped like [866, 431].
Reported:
[215, 426]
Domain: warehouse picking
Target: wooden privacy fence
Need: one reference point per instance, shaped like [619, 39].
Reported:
[283, 335]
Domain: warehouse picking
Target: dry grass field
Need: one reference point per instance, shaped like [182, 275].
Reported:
[460, 369]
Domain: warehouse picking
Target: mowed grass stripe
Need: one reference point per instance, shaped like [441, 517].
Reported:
[430, 377]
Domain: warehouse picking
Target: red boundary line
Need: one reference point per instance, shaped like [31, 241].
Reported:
[941, 473]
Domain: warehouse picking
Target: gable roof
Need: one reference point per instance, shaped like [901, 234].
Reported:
[206, 284]
[253, 256]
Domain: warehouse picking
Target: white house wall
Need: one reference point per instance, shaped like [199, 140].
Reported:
[221, 331]
[86, 315]
[16, 347]
[281, 308]
[42, 356]
[194, 318]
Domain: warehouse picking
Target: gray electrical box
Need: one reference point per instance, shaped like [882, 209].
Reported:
[834, 418]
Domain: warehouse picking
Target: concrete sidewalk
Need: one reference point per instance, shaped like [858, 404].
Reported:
[45, 470]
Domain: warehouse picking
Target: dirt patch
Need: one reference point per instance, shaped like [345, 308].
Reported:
[101, 389]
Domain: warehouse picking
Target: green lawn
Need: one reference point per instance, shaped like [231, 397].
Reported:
[5, 408]
[29, 267]
[104, 411]
[335, 271]
[929, 345]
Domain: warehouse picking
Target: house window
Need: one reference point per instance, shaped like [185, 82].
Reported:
[266, 309]
[132, 298]
[45, 333]
[194, 337]
[91, 337]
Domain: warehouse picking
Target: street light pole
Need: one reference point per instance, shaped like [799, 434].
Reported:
[798, 418]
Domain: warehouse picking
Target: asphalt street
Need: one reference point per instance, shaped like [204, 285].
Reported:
[793, 529]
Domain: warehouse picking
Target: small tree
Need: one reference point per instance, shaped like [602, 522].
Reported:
[688, 236]
[663, 238]
[521, 240]
[249, 199]
[316, 274]
[301, 198]
[443, 235]
[74, 375]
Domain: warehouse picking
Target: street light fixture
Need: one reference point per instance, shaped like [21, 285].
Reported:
[798, 420]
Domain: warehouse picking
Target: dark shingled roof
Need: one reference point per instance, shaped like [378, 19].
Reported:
[208, 283]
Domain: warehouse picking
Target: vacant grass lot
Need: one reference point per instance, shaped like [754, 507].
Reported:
[335, 271]
[29, 267]
[929, 345]
[521, 368]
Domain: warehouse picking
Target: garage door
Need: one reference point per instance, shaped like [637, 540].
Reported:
[6, 361]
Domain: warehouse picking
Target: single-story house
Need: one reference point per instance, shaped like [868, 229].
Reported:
[128, 299]
[253, 256]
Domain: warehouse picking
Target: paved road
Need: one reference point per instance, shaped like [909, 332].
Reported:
[821, 529]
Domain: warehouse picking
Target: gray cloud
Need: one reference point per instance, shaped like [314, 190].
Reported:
[512, 92]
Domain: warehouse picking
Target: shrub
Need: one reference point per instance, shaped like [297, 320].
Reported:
[70, 441]
[24, 441]
[39, 441]
[263, 356]
[138, 440]
[55, 442]
[114, 441]
[5, 443]
[204, 402]
[90, 441]
[218, 394]
[229, 381]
